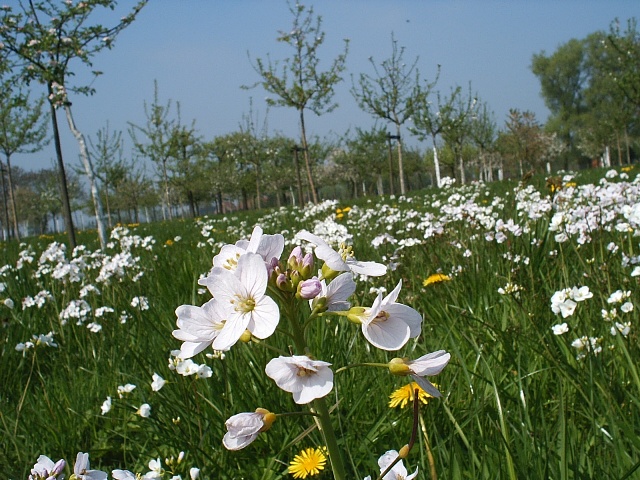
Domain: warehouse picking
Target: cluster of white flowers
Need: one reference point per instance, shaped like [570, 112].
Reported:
[37, 340]
[241, 308]
[565, 301]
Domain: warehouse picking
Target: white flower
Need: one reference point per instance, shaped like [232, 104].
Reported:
[46, 469]
[144, 410]
[560, 328]
[82, 471]
[580, 294]
[157, 382]
[8, 303]
[389, 325]
[343, 261]
[561, 303]
[140, 302]
[623, 328]
[398, 471]
[618, 296]
[128, 388]
[194, 473]
[335, 295]
[267, 246]
[198, 326]
[123, 475]
[243, 299]
[155, 470]
[427, 365]
[204, 371]
[626, 307]
[306, 379]
[243, 428]
[106, 406]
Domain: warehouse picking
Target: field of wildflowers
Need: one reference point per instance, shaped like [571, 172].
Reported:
[292, 343]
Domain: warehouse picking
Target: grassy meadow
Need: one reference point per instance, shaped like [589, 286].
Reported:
[524, 396]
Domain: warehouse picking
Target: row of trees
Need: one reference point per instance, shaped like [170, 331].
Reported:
[591, 87]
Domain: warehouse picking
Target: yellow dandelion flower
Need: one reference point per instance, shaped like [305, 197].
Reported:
[338, 211]
[346, 209]
[404, 395]
[339, 216]
[627, 169]
[435, 278]
[168, 242]
[570, 184]
[309, 462]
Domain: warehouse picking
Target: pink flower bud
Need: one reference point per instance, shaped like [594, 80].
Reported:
[309, 289]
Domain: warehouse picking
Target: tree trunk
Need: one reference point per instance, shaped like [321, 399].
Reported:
[6, 229]
[400, 167]
[307, 162]
[62, 176]
[12, 200]
[436, 164]
[88, 168]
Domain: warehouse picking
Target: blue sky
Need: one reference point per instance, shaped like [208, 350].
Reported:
[199, 52]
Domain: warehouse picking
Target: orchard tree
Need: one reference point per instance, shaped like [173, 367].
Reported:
[155, 142]
[626, 47]
[23, 129]
[483, 133]
[389, 94]
[430, 119]
[44, 38]
[298, 82]
[111, 168]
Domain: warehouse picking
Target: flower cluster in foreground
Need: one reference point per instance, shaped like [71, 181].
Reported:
[255, 293]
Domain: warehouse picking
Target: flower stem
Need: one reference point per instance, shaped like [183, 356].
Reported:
[329, 434]
[323, 417]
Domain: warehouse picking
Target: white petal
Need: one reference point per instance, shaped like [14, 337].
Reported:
[231, 332]
[236, 443]
[372, 269]
[408, 315]
[390, 334]
[427, 386]
[264, 318]
[316, 386]
[430, 364]
[253, 275]
[254, 241]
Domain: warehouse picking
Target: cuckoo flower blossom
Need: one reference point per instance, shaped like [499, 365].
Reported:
[242, 299]
[45, 469]
[333, 297]
[427, 365]
[267, 246]
[342, 261]
[243, 428]
[198, 326]
[81, 469]
[398, 472]
[389, 325]
[305, 378]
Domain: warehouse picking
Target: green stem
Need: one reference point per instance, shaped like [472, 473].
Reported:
[324, 419]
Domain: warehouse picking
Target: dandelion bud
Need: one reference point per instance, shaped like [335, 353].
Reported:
[397, 366]
[309, 289]
[356, 314]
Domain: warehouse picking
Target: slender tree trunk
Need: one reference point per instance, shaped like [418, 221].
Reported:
[390, 165]
[88, 168]
[62, 177]
[307, 162]
[12, 199]
[106, 201]
[463, 177]
[400, 167]
[296, 150]
[626, 141]
[436, 164]
[6, 229]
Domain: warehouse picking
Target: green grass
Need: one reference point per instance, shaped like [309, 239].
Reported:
[517, 403]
